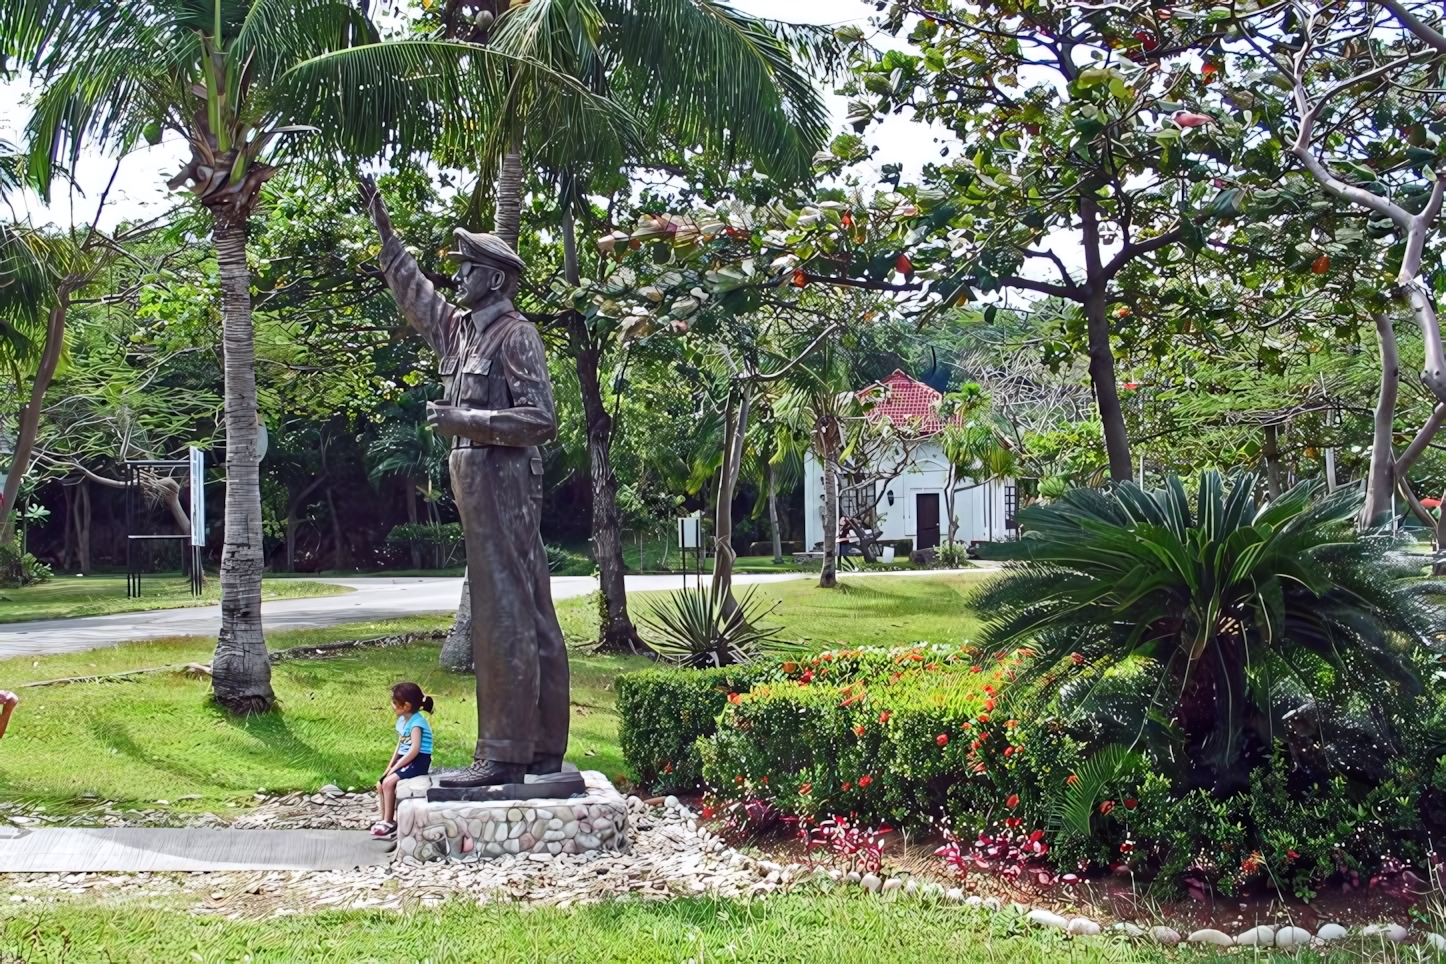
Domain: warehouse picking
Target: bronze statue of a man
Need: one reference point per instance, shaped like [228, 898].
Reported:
[497, 407]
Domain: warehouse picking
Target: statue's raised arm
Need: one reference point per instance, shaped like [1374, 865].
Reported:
[418, 299]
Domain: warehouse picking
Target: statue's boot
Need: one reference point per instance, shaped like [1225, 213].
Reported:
[486, 773]
[548, 763]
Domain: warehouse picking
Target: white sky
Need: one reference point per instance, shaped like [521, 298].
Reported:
[140, 190]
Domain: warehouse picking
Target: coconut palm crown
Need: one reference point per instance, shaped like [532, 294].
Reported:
[1224, 617]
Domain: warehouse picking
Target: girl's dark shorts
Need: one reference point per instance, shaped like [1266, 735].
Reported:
[419, 767]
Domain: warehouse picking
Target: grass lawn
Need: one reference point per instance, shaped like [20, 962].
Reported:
[836, 928]
[99, 595]
[156, 736]
[866, 610]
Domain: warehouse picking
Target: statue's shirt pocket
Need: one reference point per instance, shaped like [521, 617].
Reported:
[473, 374]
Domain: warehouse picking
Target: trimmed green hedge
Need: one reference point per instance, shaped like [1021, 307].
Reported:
[665, 712]
[899, 737]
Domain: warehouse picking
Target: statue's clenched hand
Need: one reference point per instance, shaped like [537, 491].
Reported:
[446, 419]
[372, 202]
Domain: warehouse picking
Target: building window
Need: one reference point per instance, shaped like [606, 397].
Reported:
[1011, 507]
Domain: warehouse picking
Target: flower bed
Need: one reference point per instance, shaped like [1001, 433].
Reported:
[921, 738]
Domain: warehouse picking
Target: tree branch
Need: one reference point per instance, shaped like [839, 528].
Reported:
[775, 376]
[1043, 287]
[1063, 271]
[1421, 441]
[1301, 148]
[1132, 250]
[1411, 22]
[845, 283]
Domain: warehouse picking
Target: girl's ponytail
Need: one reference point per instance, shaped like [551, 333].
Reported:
[427, 703]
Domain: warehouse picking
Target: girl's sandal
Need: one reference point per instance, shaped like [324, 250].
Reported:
[383, 828]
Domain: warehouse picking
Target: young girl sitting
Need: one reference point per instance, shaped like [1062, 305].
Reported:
[413, 757]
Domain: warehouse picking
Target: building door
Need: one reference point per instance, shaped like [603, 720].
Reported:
[926, 514]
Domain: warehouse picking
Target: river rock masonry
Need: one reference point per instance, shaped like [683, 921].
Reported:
[460, 830]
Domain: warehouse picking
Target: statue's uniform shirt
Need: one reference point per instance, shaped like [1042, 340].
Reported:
[494, 370]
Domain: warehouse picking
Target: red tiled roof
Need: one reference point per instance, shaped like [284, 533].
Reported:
[906, 403]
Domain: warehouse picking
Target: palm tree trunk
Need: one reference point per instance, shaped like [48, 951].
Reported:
[1212, 716]
[241, 668]
[69, 492]
[951, 494]
[1271, 451]
[82, 544]
[340, 559]
[507, 222]
[828, 578]
[773, 514]
[411, 497]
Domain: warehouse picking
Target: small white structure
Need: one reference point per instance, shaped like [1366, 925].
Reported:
[913, 505]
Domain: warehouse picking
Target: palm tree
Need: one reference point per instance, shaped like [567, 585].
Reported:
[27, 285]
[976, 451]
[772, 463]
[818, 406]
[117, 74]
[1211, 617]
[39, 274]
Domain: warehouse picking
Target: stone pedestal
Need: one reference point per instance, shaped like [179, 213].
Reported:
[468, 830]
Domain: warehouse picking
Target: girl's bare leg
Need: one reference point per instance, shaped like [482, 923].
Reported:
[389, 797]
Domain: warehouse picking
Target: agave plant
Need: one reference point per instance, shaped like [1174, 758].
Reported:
[698, 628]
[1215, 621]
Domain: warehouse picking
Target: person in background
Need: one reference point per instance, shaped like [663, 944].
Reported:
[8, 702]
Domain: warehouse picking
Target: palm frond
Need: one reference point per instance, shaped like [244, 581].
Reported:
[711, 76]
[1074, 809]
[426, 95]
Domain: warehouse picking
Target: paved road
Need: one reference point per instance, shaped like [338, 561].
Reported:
[142, 849]
[375, 598]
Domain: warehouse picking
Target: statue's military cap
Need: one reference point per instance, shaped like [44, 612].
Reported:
[486, 248]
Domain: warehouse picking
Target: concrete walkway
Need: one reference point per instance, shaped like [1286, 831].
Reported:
[375, 598]
[137, 849]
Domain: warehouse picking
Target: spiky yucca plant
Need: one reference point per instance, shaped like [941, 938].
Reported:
[695, 628]
[1213, 614]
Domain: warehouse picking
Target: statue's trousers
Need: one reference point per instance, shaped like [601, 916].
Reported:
[517, 645]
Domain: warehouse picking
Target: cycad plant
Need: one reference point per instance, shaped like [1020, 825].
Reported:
[1216, 619]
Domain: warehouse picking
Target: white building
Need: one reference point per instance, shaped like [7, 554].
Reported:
[912, 505]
